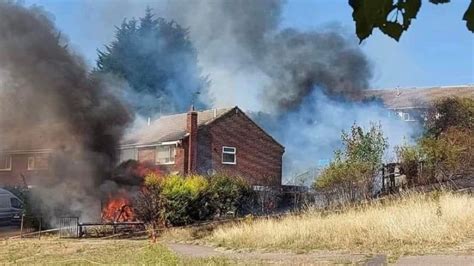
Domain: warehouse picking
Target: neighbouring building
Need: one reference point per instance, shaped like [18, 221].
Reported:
[203, 142]
[207, 142]
[413, 104]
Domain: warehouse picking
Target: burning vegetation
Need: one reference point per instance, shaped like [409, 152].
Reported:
[118, 208]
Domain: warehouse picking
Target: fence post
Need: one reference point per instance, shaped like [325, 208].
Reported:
[40, 225]
[21, 226]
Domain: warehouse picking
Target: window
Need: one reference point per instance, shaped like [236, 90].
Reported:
[5, 162]
[128, 154]
[165, 154]
[229, 155]
[38, 162]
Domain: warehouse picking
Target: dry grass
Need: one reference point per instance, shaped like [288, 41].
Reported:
[413, 224]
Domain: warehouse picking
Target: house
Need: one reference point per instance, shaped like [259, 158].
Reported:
[413, 104]
[203, 142]
[24, 166]
[207, 142]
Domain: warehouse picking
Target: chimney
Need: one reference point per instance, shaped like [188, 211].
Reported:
[191, 128]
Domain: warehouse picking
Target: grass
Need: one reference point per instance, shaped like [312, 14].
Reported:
[417, 223]
[86, 252]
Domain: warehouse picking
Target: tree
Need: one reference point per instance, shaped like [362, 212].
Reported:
[158, 61]
[448, 113]
[354, 168]
[393, 17]
[446, 149]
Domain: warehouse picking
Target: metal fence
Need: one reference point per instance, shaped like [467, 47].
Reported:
[68, 227]
[31, 226]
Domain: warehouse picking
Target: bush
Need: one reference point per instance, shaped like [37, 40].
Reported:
[176, 200]
[230, 195]
[354, 168]
[185, 199]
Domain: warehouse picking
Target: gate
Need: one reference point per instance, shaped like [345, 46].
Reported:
[68, 227]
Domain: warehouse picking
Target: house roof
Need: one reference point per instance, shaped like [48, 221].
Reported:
[419, 97]
[169, 128]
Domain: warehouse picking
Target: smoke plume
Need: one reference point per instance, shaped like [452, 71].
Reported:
[299, 85]
[48, 100]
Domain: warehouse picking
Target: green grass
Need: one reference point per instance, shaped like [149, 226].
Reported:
[88, 252]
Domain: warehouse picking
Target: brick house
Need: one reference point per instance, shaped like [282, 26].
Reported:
[30, 166]
[207, 142]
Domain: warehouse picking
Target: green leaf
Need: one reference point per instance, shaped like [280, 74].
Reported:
[392, 29]
[469, 16]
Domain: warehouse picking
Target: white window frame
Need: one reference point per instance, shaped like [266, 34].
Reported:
[9, 168]
[171, 154]
[32, 158]
[135, 154]
[229, 152]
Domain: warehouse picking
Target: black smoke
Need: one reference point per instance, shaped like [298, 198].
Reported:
[48, 100]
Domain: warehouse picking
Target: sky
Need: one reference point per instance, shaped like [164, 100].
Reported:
[438, 50]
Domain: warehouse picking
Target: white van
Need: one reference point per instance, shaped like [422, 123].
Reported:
[10, 207]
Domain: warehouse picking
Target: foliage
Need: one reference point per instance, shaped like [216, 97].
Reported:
[451, 113]
[158, 61]
[229, 194]
[353, 170]
[178, 200]
[446, 149]
[392, 17]
[450, 155]
[409, 158]
[186, 199]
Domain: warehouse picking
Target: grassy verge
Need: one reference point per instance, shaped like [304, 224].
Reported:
[85, 252]
[414, 224]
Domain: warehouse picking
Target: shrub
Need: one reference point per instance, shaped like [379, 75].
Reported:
[184, 199]
[178, 200]
[230, 194]
[354, 168]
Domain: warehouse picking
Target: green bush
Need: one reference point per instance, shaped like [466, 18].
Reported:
[178, 200]
[185, 199]
[230, 195]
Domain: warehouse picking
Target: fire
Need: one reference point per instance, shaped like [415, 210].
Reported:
[118, 209]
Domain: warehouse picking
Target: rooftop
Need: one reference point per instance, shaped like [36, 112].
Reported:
[169, 127]
[419, 97]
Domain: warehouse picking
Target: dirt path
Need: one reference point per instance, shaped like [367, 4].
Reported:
[316, 258]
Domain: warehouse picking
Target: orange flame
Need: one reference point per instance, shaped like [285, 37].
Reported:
[118, 209]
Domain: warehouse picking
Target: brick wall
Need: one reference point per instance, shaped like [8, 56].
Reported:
[258, 158]
[19, 167]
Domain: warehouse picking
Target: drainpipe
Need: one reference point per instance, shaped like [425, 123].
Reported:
[192, 130]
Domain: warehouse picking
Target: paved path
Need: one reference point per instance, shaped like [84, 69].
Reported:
[317, 258]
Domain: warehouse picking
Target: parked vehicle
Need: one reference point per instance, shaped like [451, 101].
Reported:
[11, 207]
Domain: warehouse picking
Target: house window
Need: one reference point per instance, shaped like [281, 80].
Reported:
[165, 154]
[128, 154]
[5, 162]
[38, 162]
[229, 155]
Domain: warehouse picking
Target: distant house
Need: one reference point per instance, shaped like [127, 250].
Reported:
[412, 104]
[207, 142]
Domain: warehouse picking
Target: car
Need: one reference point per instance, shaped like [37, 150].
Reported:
[11, 207]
